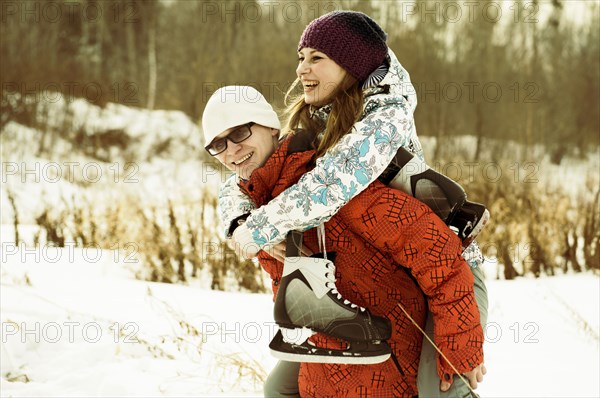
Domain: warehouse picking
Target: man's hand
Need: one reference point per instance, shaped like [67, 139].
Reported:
[473, 377]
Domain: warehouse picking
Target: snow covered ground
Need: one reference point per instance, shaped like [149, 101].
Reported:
[75, 322]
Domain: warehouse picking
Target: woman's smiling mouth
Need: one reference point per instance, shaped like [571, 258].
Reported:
[308, 86]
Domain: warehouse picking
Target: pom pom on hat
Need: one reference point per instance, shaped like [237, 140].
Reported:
[352, 39]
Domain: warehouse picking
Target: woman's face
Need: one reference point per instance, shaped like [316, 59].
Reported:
[245, 157]
[320, 76]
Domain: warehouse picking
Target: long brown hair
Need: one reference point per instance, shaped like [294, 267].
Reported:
[346, 109]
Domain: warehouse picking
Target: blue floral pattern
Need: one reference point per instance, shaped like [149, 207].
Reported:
[344, 171]
[232, 203]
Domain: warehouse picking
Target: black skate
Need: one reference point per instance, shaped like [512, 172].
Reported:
[444, 196]
[308, 302]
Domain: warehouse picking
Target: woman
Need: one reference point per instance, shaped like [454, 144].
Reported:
[378, 236]
[364, 126]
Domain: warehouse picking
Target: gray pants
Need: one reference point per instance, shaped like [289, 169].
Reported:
[427, 378]
[283, 380]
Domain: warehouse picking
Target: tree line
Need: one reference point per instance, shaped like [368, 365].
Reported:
[521, 70]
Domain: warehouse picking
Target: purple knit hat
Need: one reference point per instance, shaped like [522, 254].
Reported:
[352, 39]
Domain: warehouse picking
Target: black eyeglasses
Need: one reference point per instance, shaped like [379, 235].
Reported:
[238, 135]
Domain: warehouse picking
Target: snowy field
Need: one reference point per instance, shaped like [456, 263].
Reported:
[75, 323]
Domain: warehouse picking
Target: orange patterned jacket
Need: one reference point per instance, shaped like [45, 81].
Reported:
[391, 249]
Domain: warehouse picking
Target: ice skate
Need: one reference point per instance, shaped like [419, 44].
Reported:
[445, 197]
[308, 302]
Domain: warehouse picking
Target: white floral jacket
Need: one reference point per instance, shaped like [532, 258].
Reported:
[343, 172]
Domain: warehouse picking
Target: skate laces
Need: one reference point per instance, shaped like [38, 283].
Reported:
[330, 275]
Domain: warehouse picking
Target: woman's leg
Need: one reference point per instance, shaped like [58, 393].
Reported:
[283, 380]
[427, 378]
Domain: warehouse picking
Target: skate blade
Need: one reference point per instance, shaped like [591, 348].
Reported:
[366, 354]
[324, 358]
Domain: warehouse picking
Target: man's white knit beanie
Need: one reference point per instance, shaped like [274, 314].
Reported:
[232, 106]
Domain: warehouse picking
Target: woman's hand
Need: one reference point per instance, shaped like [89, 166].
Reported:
[278, 251]
[242, 243]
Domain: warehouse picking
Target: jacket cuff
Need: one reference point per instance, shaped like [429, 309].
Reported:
[473, 359]
[236, 223]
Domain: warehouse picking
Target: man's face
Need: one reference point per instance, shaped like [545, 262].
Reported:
[248, 155]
